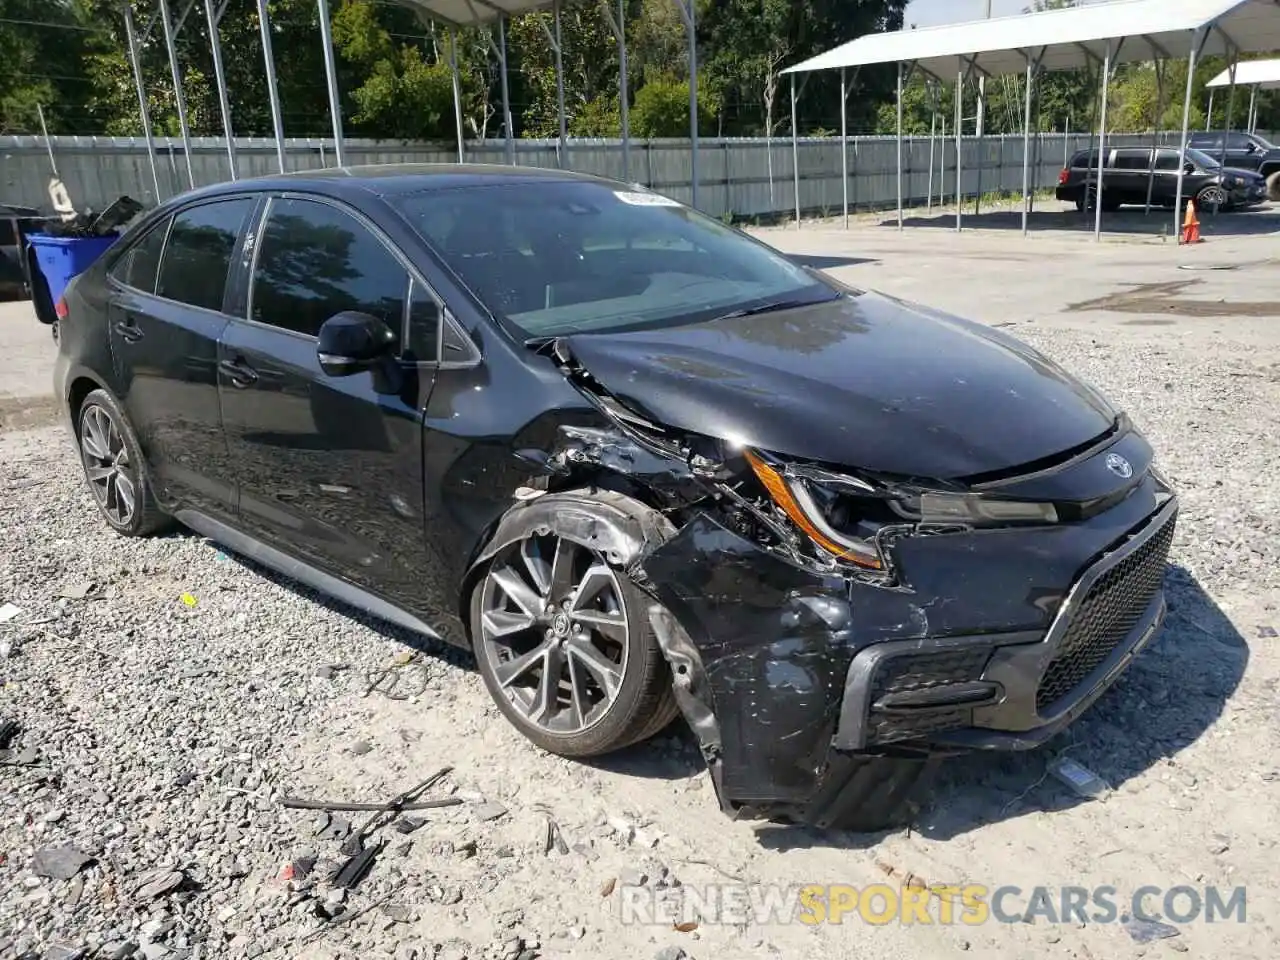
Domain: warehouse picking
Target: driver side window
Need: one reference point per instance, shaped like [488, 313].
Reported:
[316, 260]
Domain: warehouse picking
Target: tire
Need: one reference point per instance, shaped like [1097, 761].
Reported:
[1212, 195]
[1273, 186]
[114, 468]
[550, 606]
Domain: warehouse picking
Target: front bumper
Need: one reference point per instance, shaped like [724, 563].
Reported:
[996, 639]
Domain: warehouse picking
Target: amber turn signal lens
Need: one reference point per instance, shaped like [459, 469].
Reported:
[783, 497]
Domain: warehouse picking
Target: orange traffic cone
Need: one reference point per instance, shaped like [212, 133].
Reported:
[1191, 224]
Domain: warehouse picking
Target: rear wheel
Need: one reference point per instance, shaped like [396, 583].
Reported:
[114, 467]
[564, 645]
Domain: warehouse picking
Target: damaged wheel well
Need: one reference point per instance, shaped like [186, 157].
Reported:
[620, 526]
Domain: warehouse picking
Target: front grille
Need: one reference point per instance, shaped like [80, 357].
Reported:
[912, 674]
[908, 674]
[1105, 616]
[891, 728]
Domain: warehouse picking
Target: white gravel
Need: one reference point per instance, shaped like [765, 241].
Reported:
[166, 735]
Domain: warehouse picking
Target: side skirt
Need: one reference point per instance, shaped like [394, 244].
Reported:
[295, 569]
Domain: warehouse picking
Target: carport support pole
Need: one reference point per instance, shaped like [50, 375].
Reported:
[1197, 41]
[457, 90]
[180, 98]
[1253, 108]
[1026, 152]
[1208, 120]
[331, 76]
[844, 143]
[899, 145]
[220, 76]
[618, 26]
[273, 89]
[1226, 123]
[933, 132]
[1102, 142]
[795, 152]
[959, 150]
[563, 120]
[506, 93]
[132, 36]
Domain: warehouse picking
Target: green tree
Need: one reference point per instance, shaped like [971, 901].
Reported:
[662, 109]
[43, 45]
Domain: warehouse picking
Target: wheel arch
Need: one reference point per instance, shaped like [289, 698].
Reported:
[621, 527]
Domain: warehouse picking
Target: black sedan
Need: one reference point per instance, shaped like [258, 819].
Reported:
[642, 464]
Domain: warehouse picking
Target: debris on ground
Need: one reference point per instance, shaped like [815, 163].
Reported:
[77, 591]
[1079, 778]
[1145, 931]
[8, 611]
[60, 862]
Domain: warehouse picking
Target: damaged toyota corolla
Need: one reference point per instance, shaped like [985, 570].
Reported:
[642, 464]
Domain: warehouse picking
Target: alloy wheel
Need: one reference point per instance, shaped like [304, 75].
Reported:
[1213, 197]
[112, 475]
[554, 629]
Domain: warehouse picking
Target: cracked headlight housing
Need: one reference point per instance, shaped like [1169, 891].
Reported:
[807, 502]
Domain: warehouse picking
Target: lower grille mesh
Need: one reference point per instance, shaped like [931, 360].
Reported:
[1107, 614]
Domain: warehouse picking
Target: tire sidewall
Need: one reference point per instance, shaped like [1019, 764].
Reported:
[607, 732]
[100, 398]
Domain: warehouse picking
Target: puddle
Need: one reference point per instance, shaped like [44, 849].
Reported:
[1164, 298]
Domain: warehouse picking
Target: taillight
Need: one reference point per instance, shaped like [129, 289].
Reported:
[60, 308]
[1063, 176]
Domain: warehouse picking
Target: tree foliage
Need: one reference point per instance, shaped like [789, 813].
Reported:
[70, 58]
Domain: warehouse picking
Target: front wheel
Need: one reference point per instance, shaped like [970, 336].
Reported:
[563, 642]
[1213, 197]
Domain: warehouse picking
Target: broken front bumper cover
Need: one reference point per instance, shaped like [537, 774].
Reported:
[792, 681]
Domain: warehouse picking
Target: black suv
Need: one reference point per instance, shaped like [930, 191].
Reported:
[1132, 171]
[642, 464]
[1244, 151]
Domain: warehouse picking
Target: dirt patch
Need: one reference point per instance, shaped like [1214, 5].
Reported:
[26, 413]
[1164, 298]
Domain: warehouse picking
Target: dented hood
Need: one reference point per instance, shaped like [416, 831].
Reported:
[863, 380]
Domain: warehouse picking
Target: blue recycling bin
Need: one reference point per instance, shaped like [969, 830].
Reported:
[62, 258]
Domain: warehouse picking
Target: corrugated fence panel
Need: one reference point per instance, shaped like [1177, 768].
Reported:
[740, 177]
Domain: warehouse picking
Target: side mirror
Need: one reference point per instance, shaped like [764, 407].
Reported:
[351, 341]
[1188, 167]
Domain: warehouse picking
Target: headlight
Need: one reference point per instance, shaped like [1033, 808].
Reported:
[794, 498]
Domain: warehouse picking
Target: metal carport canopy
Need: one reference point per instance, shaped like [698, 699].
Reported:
[463, 13]
[1263, 74]
[1071, 38]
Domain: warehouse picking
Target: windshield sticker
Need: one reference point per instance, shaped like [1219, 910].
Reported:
[645, 199]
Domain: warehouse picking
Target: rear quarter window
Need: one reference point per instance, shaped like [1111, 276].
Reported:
[137, 266]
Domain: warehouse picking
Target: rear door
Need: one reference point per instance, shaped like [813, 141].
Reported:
[330, 468]
[1127, 177]
[165, 316]
[1242, 152]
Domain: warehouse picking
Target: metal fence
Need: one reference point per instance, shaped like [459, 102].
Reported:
[744, 178]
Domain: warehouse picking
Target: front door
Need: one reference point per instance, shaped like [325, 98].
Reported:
[330, 468]
[165, 316]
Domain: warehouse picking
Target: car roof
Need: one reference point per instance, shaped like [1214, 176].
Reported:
[398, 179]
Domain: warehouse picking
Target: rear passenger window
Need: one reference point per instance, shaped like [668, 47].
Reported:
[197, 257]
[137, 268]
[314, 261]
[1129, 160]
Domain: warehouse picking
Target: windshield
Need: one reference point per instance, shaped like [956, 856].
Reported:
[1202, 159]
[562, 257]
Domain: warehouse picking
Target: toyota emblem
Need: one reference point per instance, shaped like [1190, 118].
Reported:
[1118, 465]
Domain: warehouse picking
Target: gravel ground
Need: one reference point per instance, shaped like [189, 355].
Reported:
[170, 696]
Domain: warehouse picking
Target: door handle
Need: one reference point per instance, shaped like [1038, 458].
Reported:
[129, 331]
[240, 373]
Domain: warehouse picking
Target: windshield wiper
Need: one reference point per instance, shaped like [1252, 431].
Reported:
[772, 307]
